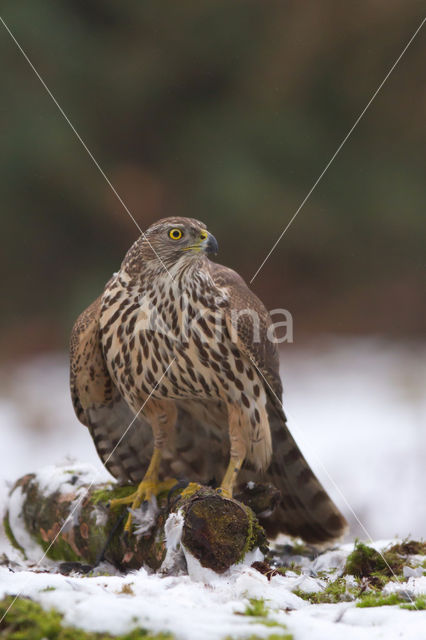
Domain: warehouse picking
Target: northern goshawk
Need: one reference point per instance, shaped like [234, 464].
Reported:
[179, 348]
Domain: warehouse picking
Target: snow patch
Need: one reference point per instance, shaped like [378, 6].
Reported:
[33, 551]
[68, 477]
[415, 586]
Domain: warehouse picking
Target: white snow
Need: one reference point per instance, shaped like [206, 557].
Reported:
[415, 586]
[68, 477]
[199, 603]
[23, 538]
[189, 609]
[210, 609]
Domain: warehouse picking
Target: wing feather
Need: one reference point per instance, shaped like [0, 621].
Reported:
[305, 509]
[99, 405]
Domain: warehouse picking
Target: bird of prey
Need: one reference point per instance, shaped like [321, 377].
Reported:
[178, 347]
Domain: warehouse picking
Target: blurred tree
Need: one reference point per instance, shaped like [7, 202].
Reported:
[226, 112]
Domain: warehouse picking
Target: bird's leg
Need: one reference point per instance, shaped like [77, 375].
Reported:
[238, 449]
[162, 416]
[148, 487]
[227, 485]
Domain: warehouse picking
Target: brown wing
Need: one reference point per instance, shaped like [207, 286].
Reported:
[252, 341]
[99, 405]
[305, 509]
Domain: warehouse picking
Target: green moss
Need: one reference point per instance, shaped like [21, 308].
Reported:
[60, 550]
[366, 562]
[112, 492]
[8, 531]
[336, 591]
[256, 608]
[296, 568]
[255, 535]
[250, 533]
[303, 594]
[409, 547]
[377, 600]
[26, 620]
[363, 561]
[419, 604]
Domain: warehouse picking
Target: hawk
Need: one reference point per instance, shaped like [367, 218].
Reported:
[174, 372]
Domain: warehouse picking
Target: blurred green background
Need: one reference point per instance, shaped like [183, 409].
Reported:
[226, 112]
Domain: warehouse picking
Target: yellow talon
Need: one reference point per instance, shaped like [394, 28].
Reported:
[155, 489]
[150, 486]
[144, 492]
[130, 499]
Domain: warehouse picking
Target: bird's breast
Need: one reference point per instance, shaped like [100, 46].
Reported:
[171, 343]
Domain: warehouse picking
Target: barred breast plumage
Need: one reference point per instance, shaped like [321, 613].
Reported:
[173, 332]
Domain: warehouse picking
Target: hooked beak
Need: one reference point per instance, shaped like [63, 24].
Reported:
[210, 245]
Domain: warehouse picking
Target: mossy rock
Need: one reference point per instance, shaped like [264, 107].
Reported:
[218, 531]
[76, 526]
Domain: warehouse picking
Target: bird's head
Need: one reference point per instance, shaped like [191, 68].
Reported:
[177, 239]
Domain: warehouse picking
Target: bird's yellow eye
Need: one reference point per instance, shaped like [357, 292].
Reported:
[175, 234]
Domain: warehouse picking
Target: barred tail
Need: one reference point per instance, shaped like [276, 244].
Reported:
[305, 509]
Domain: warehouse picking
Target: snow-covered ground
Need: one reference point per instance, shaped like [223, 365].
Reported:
[192, 609]
[358, 411]
[203, 604]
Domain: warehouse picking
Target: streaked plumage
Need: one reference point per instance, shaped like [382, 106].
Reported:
[169, 318]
